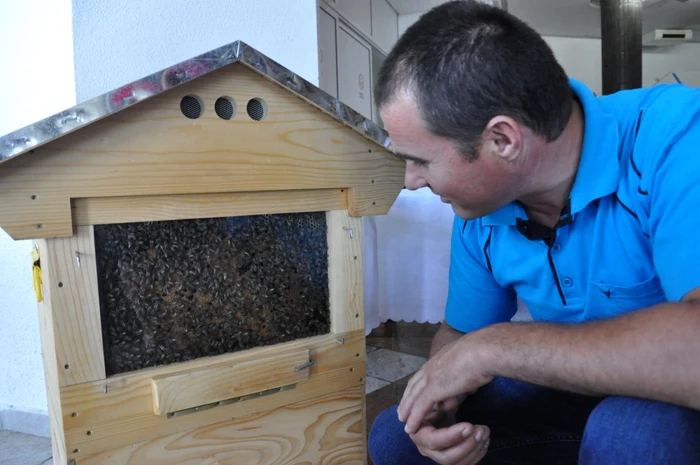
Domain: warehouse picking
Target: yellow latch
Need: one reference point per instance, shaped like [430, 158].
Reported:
[36, 272]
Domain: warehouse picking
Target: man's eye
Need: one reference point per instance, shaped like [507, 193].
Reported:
[418, 162]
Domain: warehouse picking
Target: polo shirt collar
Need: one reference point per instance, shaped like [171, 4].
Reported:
[599, 169]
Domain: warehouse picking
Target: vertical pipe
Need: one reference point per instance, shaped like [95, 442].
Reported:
[621, 33]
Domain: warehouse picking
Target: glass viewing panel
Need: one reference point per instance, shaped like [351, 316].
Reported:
[173, 291]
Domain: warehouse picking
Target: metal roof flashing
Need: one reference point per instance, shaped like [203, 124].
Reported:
[26, 139]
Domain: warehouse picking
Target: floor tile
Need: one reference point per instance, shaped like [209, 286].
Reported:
[372, 384]
[419, 346]
[381, 342]
[392, 366]
[18, 448]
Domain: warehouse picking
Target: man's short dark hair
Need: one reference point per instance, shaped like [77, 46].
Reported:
[466, 62]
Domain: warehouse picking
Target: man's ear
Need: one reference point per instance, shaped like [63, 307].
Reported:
[503, 138]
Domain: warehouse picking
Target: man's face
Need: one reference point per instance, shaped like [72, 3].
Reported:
[474, 189]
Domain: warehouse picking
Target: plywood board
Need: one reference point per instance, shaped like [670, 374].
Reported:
[134, 209]
[323, 430]
[193, 388]
[75, 306]
[345, 271]
[49, 337]
[153, 149]
[104, 415]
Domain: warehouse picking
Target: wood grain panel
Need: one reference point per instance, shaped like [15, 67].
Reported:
[152, 149]
[34, 213]
[119, 411]
[193, 388]
[367, 200]
[325, 430]
[113, 210]
[105, 435]
[75, 306]
[51, 369]
[345, 271]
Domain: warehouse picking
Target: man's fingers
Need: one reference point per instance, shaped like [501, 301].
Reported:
[468, 452]
[415, 385]
[434, 416]
[437, 439]
[418, 408]
[476, 454]
[451, 403]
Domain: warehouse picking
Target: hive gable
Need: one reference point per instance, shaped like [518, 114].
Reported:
[154, 149]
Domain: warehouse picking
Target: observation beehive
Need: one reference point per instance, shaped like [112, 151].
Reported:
[198, 263]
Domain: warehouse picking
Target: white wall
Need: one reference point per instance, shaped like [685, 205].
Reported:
[37, 81]
[581, 59]
[119, 42]
[405, 21]
[112, 43]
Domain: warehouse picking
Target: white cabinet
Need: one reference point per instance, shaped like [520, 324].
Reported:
[385, 24]
[358, 12]
[349, 59]
[327, 54]
[354, 73]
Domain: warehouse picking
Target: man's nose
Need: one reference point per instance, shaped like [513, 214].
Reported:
[413, 180]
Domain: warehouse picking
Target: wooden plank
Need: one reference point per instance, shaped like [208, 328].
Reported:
[28, 215]
[119, 411]
[51, 368]
[152, 149]
[373, 199]
[75, 306]
[113, 210]
[105, 435]
[345, 271]
[322, 430]
[193, 388]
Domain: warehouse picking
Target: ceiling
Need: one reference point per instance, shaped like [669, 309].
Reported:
[578, 18]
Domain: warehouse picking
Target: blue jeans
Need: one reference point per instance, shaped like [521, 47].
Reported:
[539, 426]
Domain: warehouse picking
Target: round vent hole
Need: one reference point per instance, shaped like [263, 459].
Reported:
[257, 109]
[225, 107]
[191, 106]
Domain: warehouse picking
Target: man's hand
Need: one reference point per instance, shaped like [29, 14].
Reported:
[457, 369]
[459, 444]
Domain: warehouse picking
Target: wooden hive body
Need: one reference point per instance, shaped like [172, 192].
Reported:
[148, 162]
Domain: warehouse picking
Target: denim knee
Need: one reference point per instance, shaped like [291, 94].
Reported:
[388, 443]
[624, 430]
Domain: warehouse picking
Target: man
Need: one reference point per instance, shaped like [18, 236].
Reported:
[586, 208]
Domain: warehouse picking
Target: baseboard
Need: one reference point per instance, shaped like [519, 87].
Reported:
[35, 422]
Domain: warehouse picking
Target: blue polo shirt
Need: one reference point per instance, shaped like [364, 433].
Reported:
[631, 236]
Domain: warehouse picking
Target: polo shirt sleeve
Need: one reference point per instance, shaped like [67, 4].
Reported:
[673, 202]
[474, 298]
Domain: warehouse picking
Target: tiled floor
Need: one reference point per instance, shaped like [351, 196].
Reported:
[23, 449]
[391, 360]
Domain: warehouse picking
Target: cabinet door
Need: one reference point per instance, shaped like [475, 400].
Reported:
[327, 70]
[385, 24]
[358, 12]
[354, 78]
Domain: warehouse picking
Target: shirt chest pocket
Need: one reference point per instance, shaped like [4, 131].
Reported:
[606, 300]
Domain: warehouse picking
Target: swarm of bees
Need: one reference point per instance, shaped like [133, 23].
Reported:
[173, 291]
